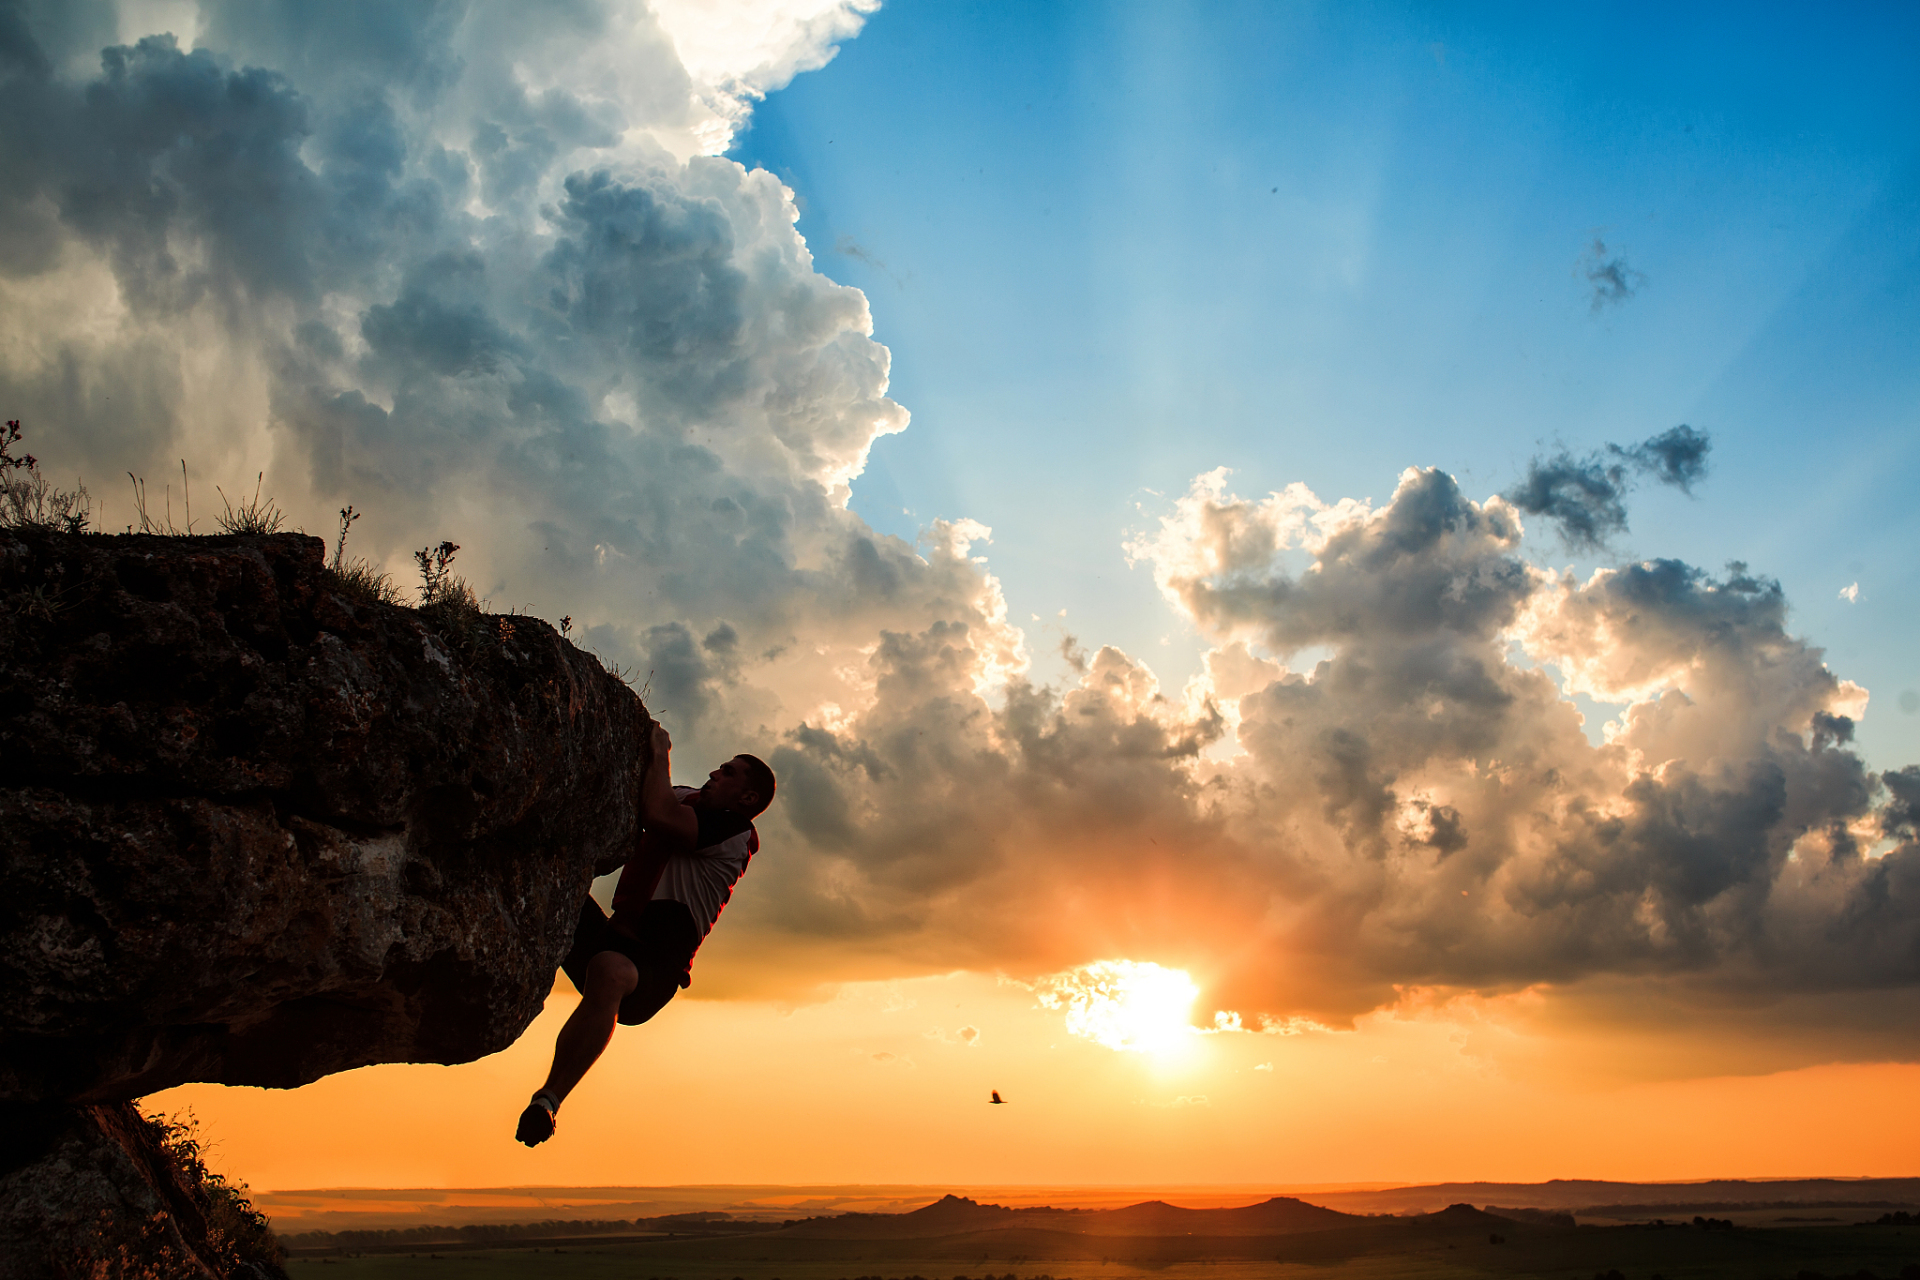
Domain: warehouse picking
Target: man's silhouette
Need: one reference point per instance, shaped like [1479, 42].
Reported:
[695, 845]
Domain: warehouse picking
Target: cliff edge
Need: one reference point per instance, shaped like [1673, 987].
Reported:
[256, 828]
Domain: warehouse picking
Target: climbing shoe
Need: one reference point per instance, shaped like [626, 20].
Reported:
[537, 1122]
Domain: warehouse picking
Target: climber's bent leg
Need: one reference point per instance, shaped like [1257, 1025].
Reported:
[611, 977]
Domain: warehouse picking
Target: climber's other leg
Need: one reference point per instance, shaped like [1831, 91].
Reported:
[611, 977]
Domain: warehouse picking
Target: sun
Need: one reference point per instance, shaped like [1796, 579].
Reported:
[1131, 1005]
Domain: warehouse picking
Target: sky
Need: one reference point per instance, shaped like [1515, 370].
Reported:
[1322, 243]
[1328, 586]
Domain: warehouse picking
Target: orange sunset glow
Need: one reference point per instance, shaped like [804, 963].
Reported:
[882, 1083]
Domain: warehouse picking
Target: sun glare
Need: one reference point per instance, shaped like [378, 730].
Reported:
[1125, 1004]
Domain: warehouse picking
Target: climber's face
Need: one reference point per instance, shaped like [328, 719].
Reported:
[726, 788]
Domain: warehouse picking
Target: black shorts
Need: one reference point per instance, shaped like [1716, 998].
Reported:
[661, 948]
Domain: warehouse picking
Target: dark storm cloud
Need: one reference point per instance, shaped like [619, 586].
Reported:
[1901, 819]
[1676, 457]
[440, 322]
[165, 140]
[1586, 496]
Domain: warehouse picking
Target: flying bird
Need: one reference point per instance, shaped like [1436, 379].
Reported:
[997, 1100]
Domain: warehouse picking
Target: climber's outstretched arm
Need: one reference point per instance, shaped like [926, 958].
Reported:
[672, 826]
[667, 827]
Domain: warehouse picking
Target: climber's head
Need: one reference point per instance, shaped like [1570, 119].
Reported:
[744, 783]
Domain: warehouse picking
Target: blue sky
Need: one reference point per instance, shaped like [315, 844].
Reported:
[1112, 246]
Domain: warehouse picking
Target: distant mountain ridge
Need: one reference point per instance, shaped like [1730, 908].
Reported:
[900, 1211]
[1285, 1215]
[967, 1233]
[954, 1215]
[1572, 1194]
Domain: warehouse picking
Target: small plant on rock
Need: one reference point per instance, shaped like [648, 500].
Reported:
[163, 525]
[256, 516]
[445, 596]
[160, 526]
[27, 501]
[359, 578]
[436, 579]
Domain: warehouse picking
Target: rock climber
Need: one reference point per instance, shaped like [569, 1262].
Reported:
[694, 846]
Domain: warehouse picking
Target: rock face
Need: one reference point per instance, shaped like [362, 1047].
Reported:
[95, 1191]
[255, 829]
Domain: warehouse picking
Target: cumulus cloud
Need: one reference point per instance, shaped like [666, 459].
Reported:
[1586, 496]
[470, 267]
[738, 52]
[1426, 809]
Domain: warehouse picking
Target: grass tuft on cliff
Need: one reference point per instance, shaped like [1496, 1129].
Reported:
[237, 1233]
[256, 516]
[359, 578]
[447, 600]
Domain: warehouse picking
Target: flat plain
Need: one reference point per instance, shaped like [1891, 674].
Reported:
[1457, 1243]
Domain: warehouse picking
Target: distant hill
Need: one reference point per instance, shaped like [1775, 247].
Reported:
[955, 1215]
[1573, 1194]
